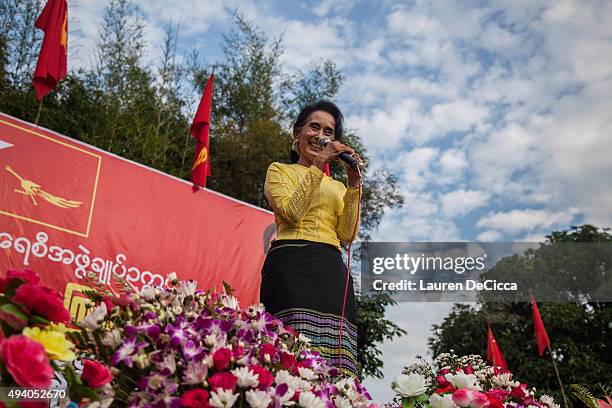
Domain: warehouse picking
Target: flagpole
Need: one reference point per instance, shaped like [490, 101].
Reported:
[39, 110]
[558, 377]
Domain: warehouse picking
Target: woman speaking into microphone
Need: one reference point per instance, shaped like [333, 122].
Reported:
[304, 278]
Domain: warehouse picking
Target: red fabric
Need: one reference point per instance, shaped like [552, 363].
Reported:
[540, 331]
[494, 354]
[326, 169]
[199, 129]
[52, 60]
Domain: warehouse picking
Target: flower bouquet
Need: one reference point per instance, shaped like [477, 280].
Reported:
[34, 340]
[463, 381]
[182, 347]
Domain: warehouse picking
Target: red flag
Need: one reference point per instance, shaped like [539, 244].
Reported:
[494, 354]
[52, 60]
[199, 129]
[540, 331]
[326, 169]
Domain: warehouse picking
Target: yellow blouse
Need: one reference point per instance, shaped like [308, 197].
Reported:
[310, 205]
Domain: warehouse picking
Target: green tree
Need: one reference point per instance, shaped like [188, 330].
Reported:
[578, 330]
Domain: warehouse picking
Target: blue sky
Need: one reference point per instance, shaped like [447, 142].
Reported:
[496, 116]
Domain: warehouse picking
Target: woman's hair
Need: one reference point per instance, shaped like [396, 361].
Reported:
[322, 105]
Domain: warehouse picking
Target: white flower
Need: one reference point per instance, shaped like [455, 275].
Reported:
[309, 400]
[147, 292]
[307, 373]
[223, 398]
[230, 301]
[258, 399]
[93, 320]
[304, 339]
[246, 377]
[409, 385]
[463, 380]
[294, 383]
[112, 338]
[187, 288]
[341, 402]
[441, 401]
[548, 400]
[504, 381]
[171, 277]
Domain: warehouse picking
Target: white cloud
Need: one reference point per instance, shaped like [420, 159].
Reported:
[526, 220]
[489, 236]
[461, 202]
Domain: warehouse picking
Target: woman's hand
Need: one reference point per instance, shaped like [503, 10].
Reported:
[354, 176]
[331, 152]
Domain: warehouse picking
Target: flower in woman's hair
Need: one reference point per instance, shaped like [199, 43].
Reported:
[246, 377]
[42, 301]
[26, 276]
[409, 385]
[309, 400]
[197, 398]
[258, 399]
[93, 320]
[26, 361]
[95, 374]
[223, 380]
[127, 352]
[53, 339]
[222, 358]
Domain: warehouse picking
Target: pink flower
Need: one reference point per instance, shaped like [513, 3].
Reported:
[26, 361]
[479, 400]
[462, 397]
[197, 398]
[222, 358]
[442, 381]
[287, 360]
[223, 380]
[95, 374]
[26, 276]
[264, 376]
[468, 369]
[42, 301]
[268, 349]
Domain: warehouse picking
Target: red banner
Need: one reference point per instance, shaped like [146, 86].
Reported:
[68, 209]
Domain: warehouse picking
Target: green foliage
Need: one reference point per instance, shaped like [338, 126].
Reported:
[579, 332]
[141, 110]
[373, 329]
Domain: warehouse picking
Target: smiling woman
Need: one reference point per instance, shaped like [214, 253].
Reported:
[304, 276]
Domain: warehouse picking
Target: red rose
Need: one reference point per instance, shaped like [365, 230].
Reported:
[264, 376]
[26, 361]
[42, 301]
[221, 358]
[223, 380]
[268, 349]
[442, 381]
[26, 276]
[197, 398]
[448, 388]
[287, 360]
[95, 374]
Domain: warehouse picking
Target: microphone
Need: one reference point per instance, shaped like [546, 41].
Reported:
[344, 156]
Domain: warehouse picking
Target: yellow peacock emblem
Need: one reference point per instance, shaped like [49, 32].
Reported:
[202, 156]
[33, 190]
